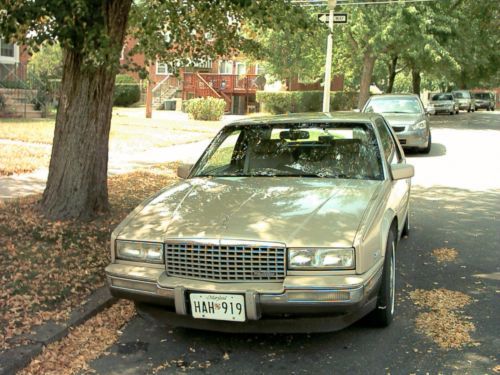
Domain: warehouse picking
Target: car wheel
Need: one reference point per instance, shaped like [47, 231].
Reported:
[468, 109]
[406, 227]
[451, 113]
[427, 149]
[457, 112]
[384, 312]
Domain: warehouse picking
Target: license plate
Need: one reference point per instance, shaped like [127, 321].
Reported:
[229, 307]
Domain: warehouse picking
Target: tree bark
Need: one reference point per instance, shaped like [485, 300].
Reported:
[415, 81]
[77, 182]
[366, 78]
[392, 73]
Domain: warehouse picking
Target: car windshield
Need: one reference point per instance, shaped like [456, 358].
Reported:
[393, 105]
[328, 150]
[482, 95]
[437, 97]
[461, 95]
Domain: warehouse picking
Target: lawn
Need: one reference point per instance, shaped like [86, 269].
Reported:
[129, 131]
[16, 158]
[48, 268]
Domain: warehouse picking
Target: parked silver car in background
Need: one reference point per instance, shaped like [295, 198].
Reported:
[443, 102]
[484, 100]
[407, 116]
[465, 100]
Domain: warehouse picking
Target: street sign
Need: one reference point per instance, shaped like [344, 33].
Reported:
[337, 17]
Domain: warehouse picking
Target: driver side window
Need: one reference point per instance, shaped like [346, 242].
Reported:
[391, 152]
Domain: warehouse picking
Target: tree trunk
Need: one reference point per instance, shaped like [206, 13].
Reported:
[78, 171]
[366, 78]
[392, 73]
[415, 81]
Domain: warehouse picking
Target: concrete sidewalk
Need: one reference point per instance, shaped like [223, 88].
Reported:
[31, 183]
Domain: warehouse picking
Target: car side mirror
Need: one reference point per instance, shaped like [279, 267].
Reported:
[402, 171]
[183, 170]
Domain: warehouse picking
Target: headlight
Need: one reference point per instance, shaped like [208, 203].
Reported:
[140, 251]
[321, 258]
[418, 126]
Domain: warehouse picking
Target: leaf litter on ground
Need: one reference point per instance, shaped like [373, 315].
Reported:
[445, 254]
[443, 322]
[51, 267]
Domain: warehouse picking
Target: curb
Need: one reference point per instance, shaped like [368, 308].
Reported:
[17, 358]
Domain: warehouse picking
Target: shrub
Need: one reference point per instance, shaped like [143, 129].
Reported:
[206, 109]
[13, 84]
[304, 101]
[127, 91]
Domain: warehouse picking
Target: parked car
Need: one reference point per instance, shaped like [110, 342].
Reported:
[484, 100]
[407, 116]
[465, 100]
[285, 224]
[443, 102]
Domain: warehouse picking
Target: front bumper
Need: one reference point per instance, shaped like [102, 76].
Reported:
[340, 298]
[416, 138]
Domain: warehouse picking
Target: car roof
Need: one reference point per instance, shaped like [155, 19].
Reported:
[394, 96]
[312, 117]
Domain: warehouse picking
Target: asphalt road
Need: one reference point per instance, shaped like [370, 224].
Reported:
[455, 204]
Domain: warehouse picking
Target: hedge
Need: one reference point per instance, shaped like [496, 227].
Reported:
[206, 109]
[304, 101]
[127, 91]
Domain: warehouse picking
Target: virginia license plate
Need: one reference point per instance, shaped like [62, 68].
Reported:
[230, 307]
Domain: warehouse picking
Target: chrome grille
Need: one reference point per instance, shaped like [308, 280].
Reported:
[225, 262]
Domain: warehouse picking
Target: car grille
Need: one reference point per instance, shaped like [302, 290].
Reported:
[224, 262]
[399, 128]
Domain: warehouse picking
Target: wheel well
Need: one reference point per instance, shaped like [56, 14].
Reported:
[394, 228]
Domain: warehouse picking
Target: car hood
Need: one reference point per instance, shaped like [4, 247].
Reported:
[403, 119]
[294, 211]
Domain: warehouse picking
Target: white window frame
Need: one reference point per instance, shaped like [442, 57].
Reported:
[9, 59]
[258, 67]
[226, 62]
[238, 64]
[158, 73]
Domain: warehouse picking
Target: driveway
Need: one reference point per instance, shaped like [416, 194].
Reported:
[455, 207]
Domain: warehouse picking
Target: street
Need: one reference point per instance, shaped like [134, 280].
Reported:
[455, 205]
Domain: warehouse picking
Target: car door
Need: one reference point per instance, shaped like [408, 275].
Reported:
[400, 191]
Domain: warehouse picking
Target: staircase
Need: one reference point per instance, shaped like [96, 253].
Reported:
[18, 103]
[166, 89]
[19, 91]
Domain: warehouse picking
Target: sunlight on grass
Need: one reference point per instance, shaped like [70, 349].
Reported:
[127, 133]
[16, 159]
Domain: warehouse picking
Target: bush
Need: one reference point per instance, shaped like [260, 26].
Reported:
[206, 109]
[127, 91]
[304, 101]
[13, 84]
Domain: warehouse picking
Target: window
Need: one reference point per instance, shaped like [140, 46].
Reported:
[6, 49]
[225, 67]
[387, 140]
[161, 68]
[259, 69]
[241, 68]
[332, 150]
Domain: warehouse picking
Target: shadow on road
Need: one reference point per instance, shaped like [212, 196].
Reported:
[467, 121]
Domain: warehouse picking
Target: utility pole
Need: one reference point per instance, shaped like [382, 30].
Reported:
[328, 63]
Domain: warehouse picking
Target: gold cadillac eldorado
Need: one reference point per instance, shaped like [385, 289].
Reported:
[285, 224]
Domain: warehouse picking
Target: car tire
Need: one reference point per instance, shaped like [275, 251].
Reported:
[384, 312]
[469, 109]
[457, 112]
[427, 149]
[451, 113]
